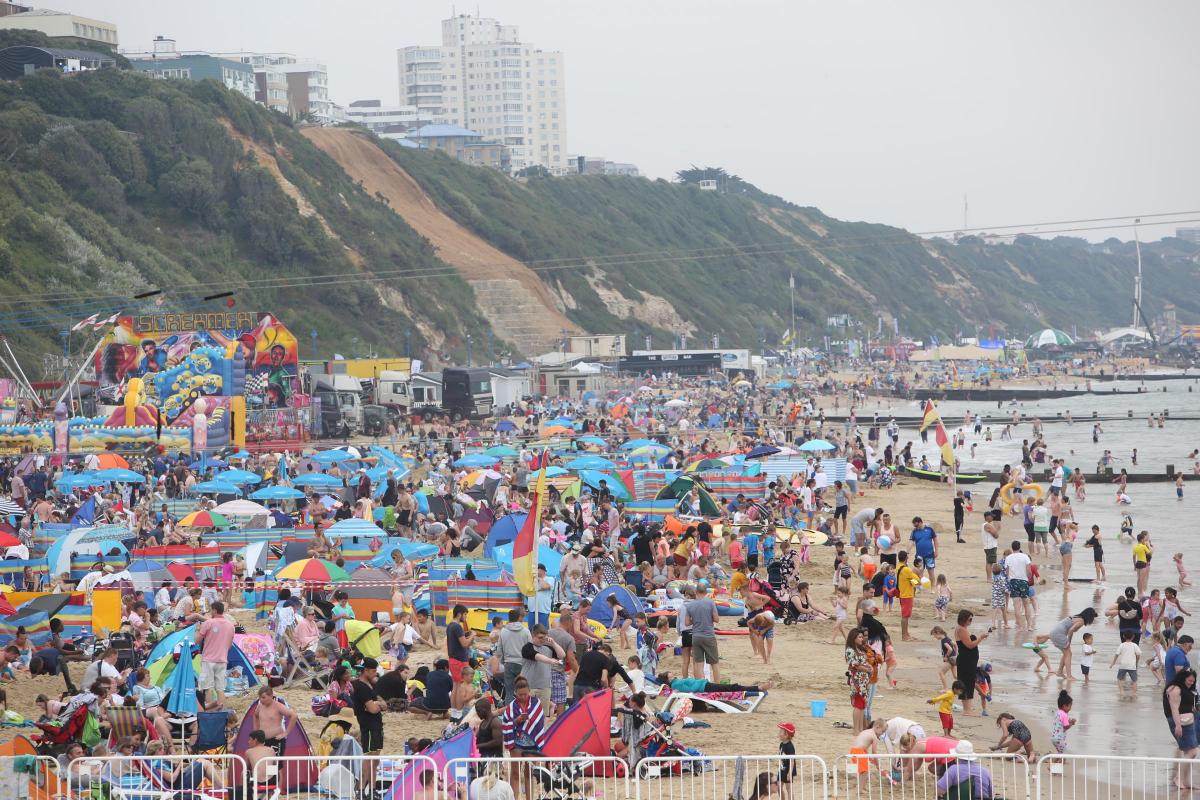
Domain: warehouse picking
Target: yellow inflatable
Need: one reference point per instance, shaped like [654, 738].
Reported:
[1006, 494]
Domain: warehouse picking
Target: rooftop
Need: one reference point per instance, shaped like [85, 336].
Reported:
[436, 131]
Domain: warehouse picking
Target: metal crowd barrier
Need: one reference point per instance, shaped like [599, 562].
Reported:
[915, 776]
[202, 777]
[344, 777]
[1088, 777]
[799, 777]
[571, 778]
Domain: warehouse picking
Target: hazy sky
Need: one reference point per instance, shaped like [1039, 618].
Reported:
[877, 111]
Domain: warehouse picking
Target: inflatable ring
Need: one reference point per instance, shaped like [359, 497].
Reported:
[1006, 494]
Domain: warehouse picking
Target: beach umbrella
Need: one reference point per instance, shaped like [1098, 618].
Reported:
[353, 527]
[241, 508]
[590, 462]
[8, 540]
[332, 456]
[9, 507]
[121, 475]
[204, 464]
[678, 402]
[80, 480]
[706, 464]
[181, 697]
[203, 519]
[501, 451]
[596, 440]
[240, 455]
[815, 445]
[318, 480]
[554, 472]
[781, 385]
[612, 481]
[634, 444]
[313, 570]
[277, 493]
[506, 425]
[762, 451]
[475, 460]
[217, 487]
[181, 571]
[557, 430]
[111, 461]
[238, 476]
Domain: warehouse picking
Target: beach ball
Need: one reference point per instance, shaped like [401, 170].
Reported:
[925, 581]
[885, 542]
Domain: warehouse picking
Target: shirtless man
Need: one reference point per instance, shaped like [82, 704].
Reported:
[256, 756]
[273, 719]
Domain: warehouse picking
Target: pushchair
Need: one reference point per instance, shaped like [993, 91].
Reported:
[55, 737]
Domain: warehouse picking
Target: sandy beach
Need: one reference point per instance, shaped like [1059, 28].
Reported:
[806, 666]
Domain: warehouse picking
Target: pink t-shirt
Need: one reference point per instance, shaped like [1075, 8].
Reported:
[217, 634]
[938, 746]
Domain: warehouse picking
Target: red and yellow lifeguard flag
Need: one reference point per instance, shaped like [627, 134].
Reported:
[525, 546]
[932, 417]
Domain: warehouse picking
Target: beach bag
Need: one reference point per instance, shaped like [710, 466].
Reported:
[90, 735]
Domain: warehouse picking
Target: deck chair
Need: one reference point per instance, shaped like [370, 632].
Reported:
[298, 668]
[154, 787]
[726, 702]
[127, 722]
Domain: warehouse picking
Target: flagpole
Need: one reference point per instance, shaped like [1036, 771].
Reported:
[792, 292]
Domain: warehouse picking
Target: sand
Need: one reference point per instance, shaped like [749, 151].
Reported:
[806, 666]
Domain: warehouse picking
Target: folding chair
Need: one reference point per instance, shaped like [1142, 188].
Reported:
[212, 736]
[300, 669]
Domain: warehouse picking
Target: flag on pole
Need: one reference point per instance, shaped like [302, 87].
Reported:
[787, 337]
[932, 417]
[525, 546]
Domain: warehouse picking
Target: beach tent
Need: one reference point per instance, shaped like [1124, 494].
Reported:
[295, 775]
[413, 551]
[457, 747]
[681, 487]
[601, 611]
[582, 729]
[503, 531]
[163, 665]
[370, 590]
[546, 555]
[41, 783]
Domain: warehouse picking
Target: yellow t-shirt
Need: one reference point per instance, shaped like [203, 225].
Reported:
[906, 581]
[945, 702]
[1141, 553]
[684, 548]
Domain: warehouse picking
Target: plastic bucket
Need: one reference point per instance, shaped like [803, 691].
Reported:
[817, 708]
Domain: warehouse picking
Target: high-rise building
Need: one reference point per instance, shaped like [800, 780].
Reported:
[60, 25]
[483, 77]
[165, 61]
[299, 87]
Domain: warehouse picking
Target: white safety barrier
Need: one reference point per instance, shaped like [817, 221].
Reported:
[799, 777]
[343, 777]
[1084, 777]
[574, 778]
[139, 777]
[915, 776]
[38, 777]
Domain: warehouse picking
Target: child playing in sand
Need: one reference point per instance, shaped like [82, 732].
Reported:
[866, 743]
[866, 564]
[983, 686]
[949, 653]
[839, 600]
[1089, 653]
[1183, 581]
[999, 596]
[1039, 649]
[1015, 736]
[942, 596]
[762, 634]
[805, 544]
[1126, 527]
[1063, 722]
[945, 704]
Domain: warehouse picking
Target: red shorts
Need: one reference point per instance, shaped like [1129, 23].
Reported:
[947, 720]
[457, 670]
[681, 561]
[906, 607]
[858, 701]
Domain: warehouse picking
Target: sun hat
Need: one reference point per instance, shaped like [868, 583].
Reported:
[964, 750]
[788, 728]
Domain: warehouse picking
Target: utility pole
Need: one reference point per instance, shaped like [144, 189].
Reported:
[792, 291]
[1137, 283]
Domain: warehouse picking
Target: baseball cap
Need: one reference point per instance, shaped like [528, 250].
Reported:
[788, 728]
[370, 663]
